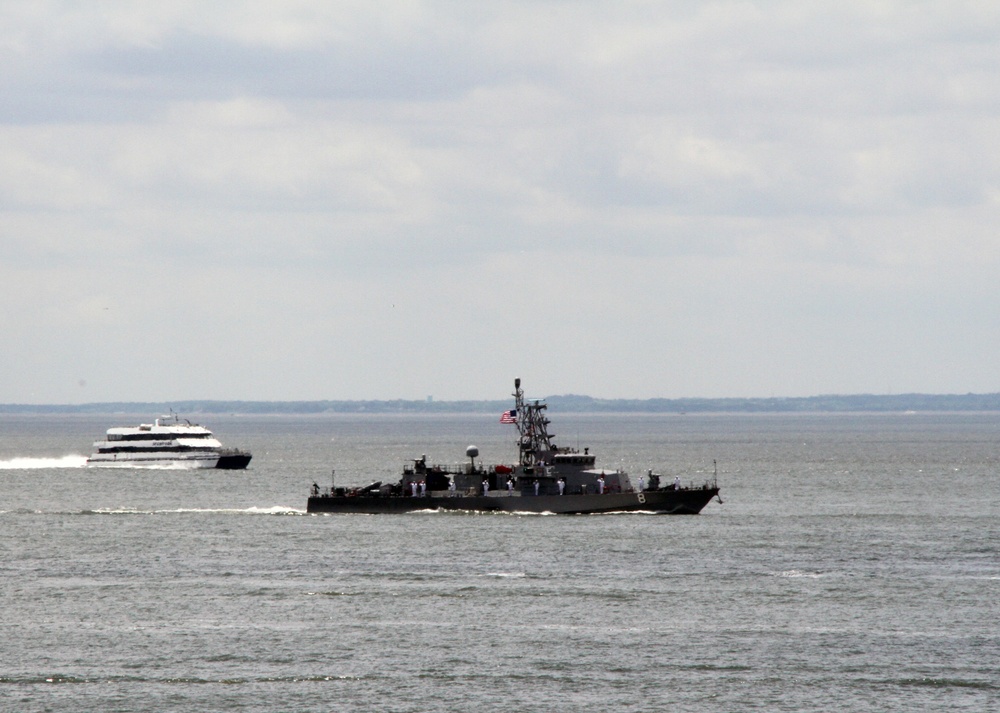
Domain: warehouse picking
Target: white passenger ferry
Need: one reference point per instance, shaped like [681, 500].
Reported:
[167, 442]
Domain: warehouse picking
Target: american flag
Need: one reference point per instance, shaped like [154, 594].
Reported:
[509, 416]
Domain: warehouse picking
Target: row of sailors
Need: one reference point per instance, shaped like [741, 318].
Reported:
[421, 487]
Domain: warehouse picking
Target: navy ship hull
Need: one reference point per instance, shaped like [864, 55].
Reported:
[686, 501]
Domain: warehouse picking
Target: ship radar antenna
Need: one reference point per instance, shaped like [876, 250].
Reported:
[535, 442]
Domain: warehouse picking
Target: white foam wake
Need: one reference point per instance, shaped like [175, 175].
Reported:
[273, 510]
[36, 463]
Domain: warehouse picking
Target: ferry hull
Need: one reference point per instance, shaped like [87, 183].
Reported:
[686, 501]
[234, 461]
[153, 462]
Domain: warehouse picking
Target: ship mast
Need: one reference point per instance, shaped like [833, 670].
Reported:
[535, 443]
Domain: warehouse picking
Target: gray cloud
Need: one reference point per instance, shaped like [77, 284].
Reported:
[347, 201]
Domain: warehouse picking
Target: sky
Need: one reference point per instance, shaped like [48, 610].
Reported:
[313, 200]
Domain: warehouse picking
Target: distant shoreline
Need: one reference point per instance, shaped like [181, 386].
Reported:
[559, 404]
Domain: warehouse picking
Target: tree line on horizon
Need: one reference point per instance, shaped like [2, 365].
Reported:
[570, 403]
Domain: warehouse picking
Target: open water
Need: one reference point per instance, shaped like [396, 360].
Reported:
[854, 566]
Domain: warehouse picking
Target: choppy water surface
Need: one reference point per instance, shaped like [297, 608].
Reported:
[853, 566]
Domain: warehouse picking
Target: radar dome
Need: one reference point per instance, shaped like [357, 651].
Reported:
[472, 452]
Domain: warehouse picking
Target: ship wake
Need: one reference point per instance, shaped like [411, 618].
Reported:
[39, 463]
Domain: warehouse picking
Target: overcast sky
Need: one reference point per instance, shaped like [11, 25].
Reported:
[358, 200]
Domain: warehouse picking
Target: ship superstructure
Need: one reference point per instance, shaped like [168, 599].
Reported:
[557, 469]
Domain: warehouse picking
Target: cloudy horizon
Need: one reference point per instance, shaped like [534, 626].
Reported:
[347, 201]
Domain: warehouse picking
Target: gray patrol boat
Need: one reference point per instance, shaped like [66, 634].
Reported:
[546, 479]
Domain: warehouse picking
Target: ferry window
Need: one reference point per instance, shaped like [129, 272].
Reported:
[156, 436]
